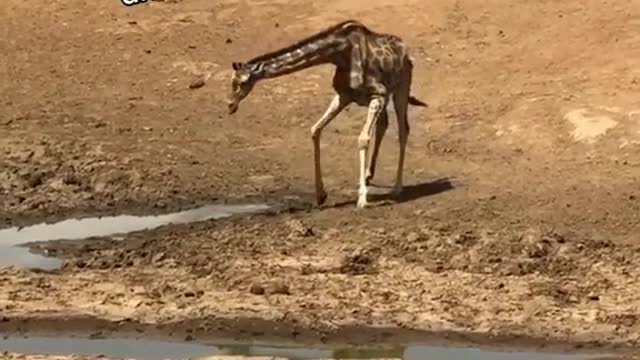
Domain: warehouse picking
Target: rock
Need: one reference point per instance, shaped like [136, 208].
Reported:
[359, 262]
[256, 289]
[196, 84]
[158, 258]
[57, 184]
[330, 233]
[36, 179]
[413, 237]
[279, 287]
[298, 229]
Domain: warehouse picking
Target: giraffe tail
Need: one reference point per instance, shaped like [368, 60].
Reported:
[414, 101]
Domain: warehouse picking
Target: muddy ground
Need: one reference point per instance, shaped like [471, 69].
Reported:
[520, 217]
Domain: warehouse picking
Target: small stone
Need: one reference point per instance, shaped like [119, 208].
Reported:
[331, 233]
[298, 229]
[256, 289]
[35, 180]
[281, 288]
[413, 237]
[158, 257]
[196, 84]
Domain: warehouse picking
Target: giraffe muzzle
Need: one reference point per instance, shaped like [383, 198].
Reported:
[232, 107]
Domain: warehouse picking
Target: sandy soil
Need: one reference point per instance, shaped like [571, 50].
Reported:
[522, 208]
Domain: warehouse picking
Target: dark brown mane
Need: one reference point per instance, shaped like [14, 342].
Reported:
[305, 41]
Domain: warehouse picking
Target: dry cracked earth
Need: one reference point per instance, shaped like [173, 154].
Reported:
[519, 222]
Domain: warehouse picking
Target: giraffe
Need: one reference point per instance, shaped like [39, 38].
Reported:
[372, 68]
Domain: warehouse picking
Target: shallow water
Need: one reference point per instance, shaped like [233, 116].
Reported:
[20, 256]
[156, 350]
[77, 229]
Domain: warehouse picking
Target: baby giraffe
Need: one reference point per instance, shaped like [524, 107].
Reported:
[371, 69]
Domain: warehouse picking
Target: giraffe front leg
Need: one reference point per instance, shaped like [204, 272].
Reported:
[375, 107]
[337, 104]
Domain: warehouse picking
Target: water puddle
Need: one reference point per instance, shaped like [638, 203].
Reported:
[21, 256]
[11, 253]
[156, 350]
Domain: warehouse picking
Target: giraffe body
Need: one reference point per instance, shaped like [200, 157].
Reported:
[371, 69]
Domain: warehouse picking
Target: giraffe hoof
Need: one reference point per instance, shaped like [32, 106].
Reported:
[362, 202]
[396, 191]
[321, 198]
[368, 179]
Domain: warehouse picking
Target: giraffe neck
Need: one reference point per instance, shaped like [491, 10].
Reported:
[321, 48]
[300, 59]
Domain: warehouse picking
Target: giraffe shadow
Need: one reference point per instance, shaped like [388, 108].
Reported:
[380, 195]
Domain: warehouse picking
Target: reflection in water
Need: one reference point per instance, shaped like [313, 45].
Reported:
[283, 352]
[20, 256]
[355, 353]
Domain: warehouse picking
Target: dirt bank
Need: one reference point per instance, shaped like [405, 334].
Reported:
[307, 272]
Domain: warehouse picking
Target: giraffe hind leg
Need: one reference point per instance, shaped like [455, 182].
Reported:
[401, 103]
[381, 127]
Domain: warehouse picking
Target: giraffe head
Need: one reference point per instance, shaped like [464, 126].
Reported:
[242, 81]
